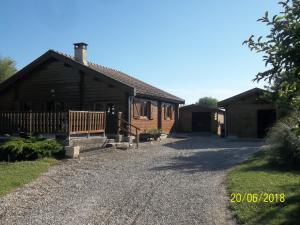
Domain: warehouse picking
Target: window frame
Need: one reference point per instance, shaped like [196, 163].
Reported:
[144, 109]
[168, 112]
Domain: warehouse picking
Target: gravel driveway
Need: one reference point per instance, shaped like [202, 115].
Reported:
[179, 181]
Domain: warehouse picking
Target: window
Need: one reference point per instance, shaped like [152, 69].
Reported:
[142, 109]
[168, 112]
[145, 109]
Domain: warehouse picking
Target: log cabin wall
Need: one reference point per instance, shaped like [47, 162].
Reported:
[142, 121]
[57, 81]
[52, 81]
[157, 118]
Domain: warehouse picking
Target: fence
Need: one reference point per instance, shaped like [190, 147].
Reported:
[71, 122]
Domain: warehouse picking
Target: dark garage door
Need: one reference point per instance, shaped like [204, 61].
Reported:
[201, 122]
[265, 119]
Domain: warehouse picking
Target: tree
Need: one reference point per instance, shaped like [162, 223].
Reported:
[281, 53]
[7, 68]
[208, 102]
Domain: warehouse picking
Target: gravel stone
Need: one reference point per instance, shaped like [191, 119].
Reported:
[177, 181]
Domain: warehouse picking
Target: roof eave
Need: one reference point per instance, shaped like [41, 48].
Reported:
[179, 101]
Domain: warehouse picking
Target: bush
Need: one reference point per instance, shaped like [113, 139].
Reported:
[154, 131]
[150, 133]
[284, 142]
[30, 149]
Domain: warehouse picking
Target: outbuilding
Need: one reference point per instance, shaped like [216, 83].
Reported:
[249, 114]
[197, 118]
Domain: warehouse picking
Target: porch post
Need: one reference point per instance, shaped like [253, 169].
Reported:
[119, 122]
[69, 125]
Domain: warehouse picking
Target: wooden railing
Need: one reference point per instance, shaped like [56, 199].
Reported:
[71, 122]
[33, 122]
[86, 122]
[127, 128]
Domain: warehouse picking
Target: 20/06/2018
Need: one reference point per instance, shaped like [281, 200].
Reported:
[257, 198]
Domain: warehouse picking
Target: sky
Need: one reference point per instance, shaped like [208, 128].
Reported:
[189, 48]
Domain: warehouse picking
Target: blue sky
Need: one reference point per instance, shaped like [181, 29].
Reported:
[190, 48]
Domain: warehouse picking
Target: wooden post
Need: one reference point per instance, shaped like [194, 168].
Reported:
[137, 136]
[119, 122]
[30, 123]
[89, 124]
[104, 123]
[69, 125]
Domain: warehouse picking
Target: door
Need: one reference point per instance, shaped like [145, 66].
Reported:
[201, 122]
[265, 120]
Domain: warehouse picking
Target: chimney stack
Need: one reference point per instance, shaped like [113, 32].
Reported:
[80, 52]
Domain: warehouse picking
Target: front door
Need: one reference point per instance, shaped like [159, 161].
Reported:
[111, 119]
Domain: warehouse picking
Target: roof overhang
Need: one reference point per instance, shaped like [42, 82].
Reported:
[163, 99]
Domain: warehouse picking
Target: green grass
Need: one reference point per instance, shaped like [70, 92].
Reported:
[257, 176]
[14, 175]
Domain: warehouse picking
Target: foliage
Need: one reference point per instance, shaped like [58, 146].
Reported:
[150, 133]
[284, 142]
[30, 149]
[154, 131]
[7, 68]
[208, 102]
[13, 175]
[281, 52]
[258, 176]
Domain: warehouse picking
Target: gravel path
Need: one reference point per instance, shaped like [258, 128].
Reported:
[180, 181]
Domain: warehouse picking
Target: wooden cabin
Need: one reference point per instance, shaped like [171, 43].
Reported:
[248, 115]
[200, 119]
[59, 82]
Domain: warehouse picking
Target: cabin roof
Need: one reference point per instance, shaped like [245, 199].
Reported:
[253, 91]
[142, 89]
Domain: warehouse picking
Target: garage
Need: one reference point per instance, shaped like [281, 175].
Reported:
[201, 119]
[249, 114]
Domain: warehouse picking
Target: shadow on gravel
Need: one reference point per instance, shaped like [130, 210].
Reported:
[209, 154]
[208, 160]
[213, 142]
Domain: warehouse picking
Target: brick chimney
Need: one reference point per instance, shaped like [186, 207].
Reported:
[80, 52]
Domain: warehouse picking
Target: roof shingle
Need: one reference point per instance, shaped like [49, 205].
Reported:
[141, 87]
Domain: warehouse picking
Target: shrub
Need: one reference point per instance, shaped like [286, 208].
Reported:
[284, 142]
[30, 149]
[154, 131]
[150, 133]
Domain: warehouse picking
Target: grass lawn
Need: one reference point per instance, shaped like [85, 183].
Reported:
[13, 175]
[257, 176]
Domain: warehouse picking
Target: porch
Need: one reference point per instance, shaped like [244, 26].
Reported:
[86, 129]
